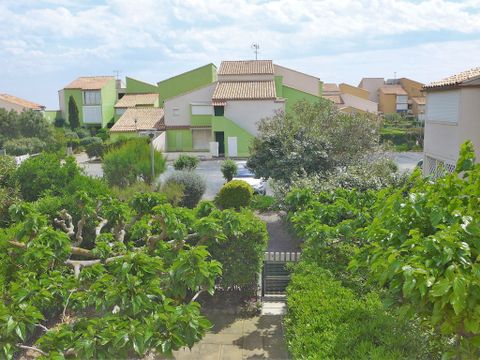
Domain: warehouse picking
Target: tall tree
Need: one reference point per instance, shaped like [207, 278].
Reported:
[314, 139]
[73, 113]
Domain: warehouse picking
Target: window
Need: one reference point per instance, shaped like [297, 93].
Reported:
[176, 111]
[92, 97]
[92, 114]
[120, 111]
[202, 109]
[219, 110]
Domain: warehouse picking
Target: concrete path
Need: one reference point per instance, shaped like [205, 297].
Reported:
[259, 337]
[280, 238]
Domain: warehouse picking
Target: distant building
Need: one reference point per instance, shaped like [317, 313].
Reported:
[452, 116]
[10, 102]
[396, 96]
[94, 96]
[349, 99]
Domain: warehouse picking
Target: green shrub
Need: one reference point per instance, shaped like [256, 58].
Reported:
[103, 134]
[229, 169]
[24, 146]
[95, 149]
[130, 161]
[83, 133]
[234, 194]
[241, 252]
[174, 192]
[204, 208]
[128, 193]
[60, 123]
[7, 171]
[264, 203]
[328, 321]
[44, 172]
[186, 162]
[89, 140]
[193, 186]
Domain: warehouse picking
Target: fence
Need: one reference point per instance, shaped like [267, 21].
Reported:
[275, 276]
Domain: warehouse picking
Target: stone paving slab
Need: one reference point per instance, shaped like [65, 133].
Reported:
[234, 337]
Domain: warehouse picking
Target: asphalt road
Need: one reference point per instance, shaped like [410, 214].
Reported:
[210, 169]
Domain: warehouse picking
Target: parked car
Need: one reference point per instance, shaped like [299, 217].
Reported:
[259, 185]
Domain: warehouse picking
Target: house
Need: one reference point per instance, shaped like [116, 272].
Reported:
[135, 101]
[225, 106]
[396, 96]
[392, 99]
[349, 99]
[452, 116]
[94, 97]
[10, 102]
[136, 120]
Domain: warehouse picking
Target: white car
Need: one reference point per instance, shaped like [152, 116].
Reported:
[259, 185]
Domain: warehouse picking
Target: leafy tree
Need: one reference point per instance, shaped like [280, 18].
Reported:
[229, 169]
[129, 162]
[128, 275]
[314, 139]
[24, 146]
[73, 118]
[425, 249]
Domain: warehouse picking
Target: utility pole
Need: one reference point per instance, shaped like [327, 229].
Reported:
[255, 48]
[152, 156]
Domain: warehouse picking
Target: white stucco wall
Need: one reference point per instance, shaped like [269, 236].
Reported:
[265, 77]
[160, 142]
[372, 85]
[246, 114]
[452, 117]
[298, 80]
[182, 103]
[61, 103]
[359, 103]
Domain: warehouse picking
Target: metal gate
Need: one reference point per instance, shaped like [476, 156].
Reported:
[275, 276]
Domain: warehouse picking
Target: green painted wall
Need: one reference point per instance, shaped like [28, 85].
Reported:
[293, 96]
[201, 120]
[52, 115]
[109, 97]
[279, 86]
[77, 96]
[185, 138]
[230, 129]
[139, 87]
[186, 82]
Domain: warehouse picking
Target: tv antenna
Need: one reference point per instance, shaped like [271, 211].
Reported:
[255, 48]
[117, 73]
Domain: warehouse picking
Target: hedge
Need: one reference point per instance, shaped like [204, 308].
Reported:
[326, 320]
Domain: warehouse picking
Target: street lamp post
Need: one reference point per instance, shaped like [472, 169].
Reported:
[152, 156]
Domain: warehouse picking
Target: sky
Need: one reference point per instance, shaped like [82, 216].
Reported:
[45, 44]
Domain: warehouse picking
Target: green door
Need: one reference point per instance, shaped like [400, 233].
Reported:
[178, 141]
[220, 138]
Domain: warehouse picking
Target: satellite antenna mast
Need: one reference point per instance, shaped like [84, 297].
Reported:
[255, 48]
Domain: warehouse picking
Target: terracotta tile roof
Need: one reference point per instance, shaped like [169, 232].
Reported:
[133, 100]
[89, 82]
[248, 67]
[21, 102]
[336, 99]
[456, 79]
[420, 100]
[330, 87]
[393, 89]
[147, 118]
[244, 90]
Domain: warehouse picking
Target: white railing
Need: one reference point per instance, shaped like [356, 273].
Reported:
[280, 256]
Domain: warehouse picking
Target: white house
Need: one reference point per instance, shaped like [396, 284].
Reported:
[452, 116]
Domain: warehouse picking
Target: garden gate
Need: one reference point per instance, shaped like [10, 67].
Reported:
[275, 276]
